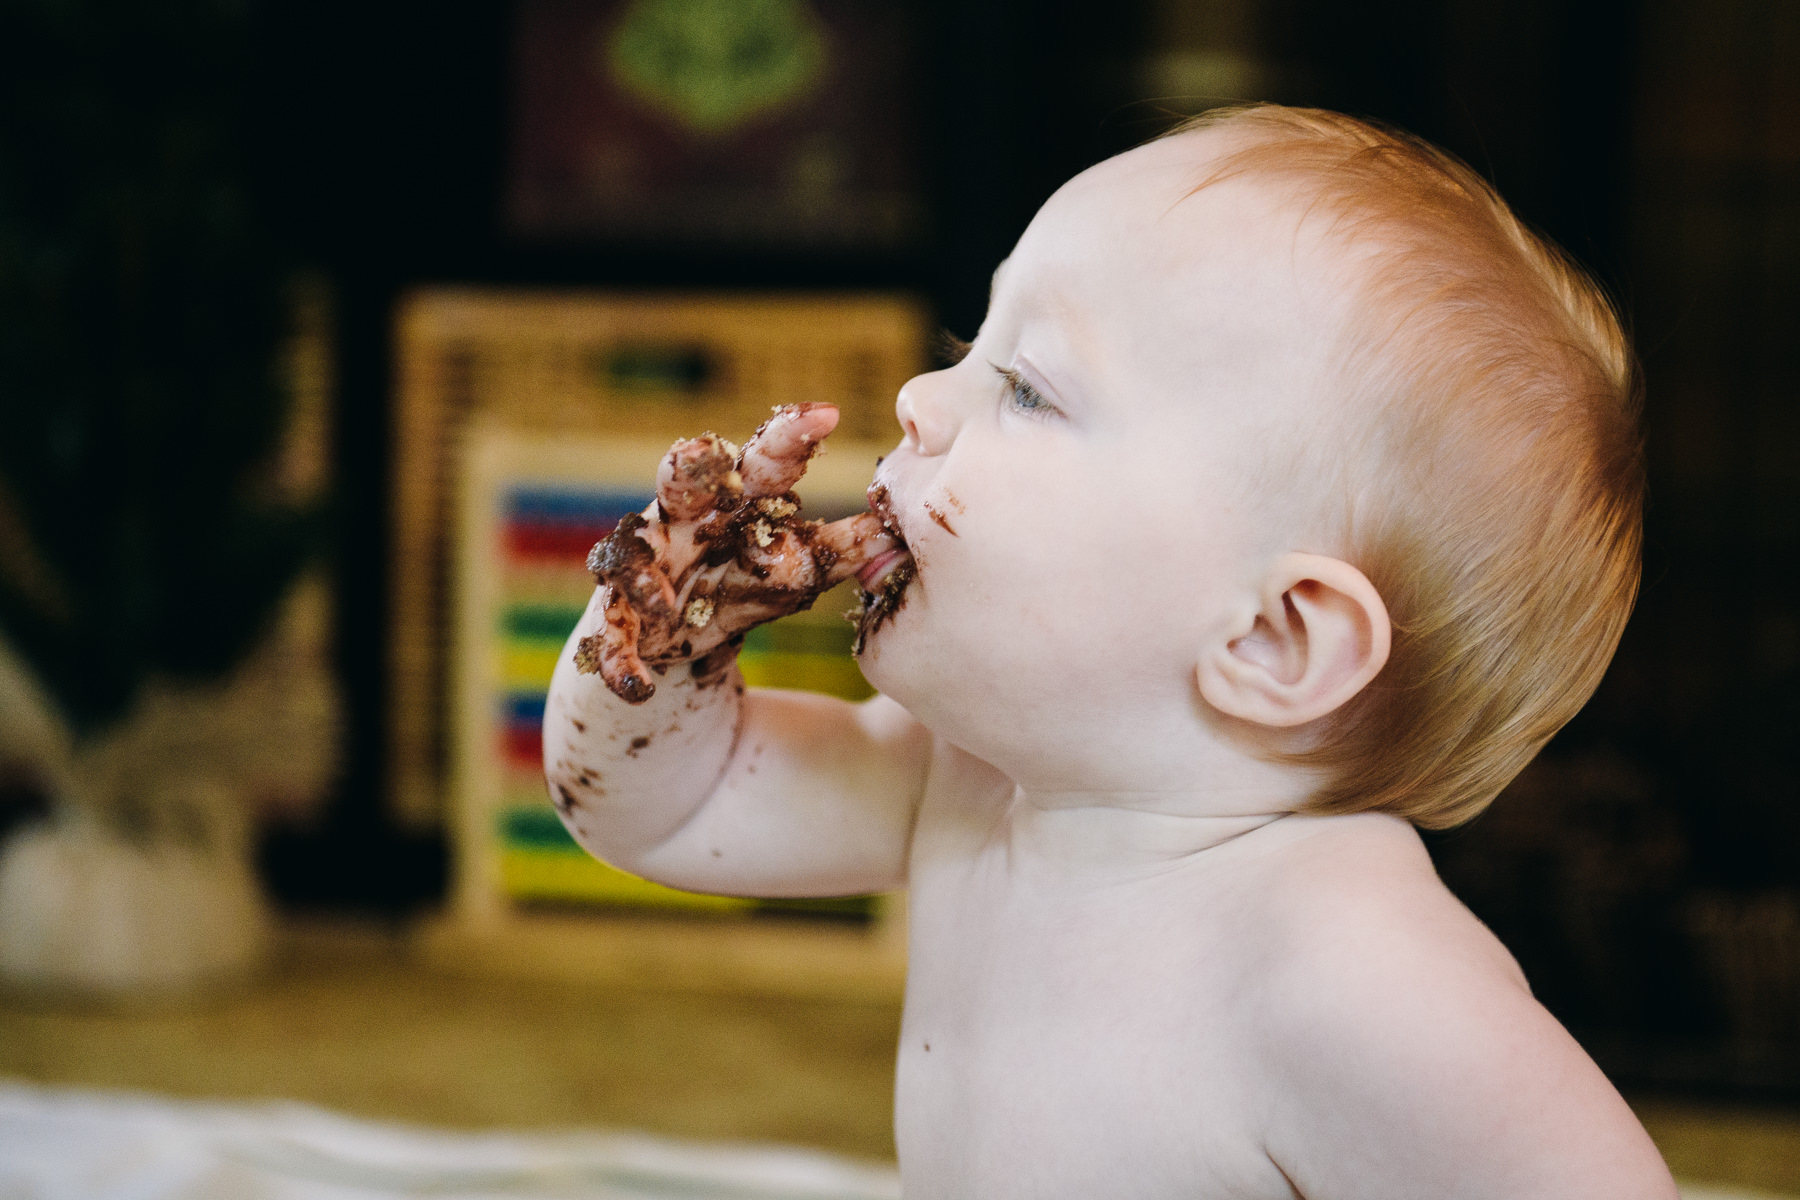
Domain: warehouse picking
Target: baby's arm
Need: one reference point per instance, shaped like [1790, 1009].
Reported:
[659, 760]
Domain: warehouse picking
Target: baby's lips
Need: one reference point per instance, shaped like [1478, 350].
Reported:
[880, 567]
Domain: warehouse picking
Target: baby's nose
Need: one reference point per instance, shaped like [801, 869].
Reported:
[927, 421]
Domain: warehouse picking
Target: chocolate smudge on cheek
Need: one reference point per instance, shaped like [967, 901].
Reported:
[942, 520]
[878, 606]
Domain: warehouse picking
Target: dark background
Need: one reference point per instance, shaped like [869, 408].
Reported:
[1646, 870]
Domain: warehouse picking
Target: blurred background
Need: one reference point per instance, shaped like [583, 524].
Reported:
[329, 337]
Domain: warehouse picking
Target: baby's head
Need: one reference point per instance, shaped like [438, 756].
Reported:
[1360, 438]
[1485, 457]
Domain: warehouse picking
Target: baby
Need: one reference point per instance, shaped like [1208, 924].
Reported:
[1288, 499]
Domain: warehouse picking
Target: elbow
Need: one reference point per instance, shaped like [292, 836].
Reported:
[580, 798]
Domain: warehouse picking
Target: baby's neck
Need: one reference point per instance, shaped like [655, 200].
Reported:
[1128, 830]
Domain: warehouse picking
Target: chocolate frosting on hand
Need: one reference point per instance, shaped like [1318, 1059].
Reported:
[722, 550]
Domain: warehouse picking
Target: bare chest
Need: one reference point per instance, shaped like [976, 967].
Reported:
[1062, 1039]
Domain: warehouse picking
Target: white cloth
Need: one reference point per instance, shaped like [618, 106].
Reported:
[70, 1144]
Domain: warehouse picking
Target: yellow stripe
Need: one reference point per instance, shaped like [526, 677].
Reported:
[527, 665]
[833, 674]
[565, 875]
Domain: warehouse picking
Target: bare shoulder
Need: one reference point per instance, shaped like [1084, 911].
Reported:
[1403, 1051]
[1349, 893]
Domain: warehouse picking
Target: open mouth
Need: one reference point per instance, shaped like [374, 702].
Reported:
[885, 577]
[872, 576]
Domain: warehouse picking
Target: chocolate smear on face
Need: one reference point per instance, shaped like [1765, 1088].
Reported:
[877, 606]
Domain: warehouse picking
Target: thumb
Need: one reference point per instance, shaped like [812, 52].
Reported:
[852, 544]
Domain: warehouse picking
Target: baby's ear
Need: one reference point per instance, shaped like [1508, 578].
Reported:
[1318, 635]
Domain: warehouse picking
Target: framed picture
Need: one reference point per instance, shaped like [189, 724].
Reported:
[720, 122]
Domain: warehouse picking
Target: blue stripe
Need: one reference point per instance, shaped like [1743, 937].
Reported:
[567, 506]
[525, 708]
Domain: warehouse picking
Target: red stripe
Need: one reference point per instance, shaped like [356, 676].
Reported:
[524, 746]
[562, 542]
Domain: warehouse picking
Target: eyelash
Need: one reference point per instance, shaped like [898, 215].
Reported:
[1022, 396]
[1026, 399]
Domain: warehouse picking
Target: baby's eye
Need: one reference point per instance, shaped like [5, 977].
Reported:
[1022, 396]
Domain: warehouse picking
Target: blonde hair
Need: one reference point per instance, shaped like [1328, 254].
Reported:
[1490, 468]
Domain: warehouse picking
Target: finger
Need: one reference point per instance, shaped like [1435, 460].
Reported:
[844, 548]
[613, 652]
[776, 456]
[778, 557]
[627, 562]
[694, 474]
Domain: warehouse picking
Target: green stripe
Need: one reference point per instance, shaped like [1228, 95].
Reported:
[537, 827]
[540, 622]
[801, 637]
[554, 623]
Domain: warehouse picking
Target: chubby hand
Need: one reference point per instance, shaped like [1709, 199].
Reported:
[722, 549]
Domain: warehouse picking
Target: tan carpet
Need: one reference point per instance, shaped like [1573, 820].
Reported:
[347, 1022]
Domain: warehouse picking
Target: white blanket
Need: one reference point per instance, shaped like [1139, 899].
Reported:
[70, 1144]
[66, 1144]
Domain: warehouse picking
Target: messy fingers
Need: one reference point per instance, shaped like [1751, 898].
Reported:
[613, 652]
[695, 476]
[776, 456]
[624, 561]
